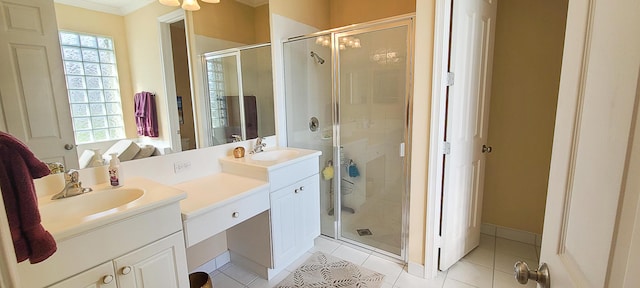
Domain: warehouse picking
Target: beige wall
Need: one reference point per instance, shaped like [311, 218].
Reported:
[232, 21]
[526, 76]
[143, 38]
[314, 13]
[92, 22]
[345, 12]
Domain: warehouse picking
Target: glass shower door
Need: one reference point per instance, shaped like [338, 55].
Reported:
[371, 81]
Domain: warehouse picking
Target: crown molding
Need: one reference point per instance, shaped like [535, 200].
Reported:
[121, 10]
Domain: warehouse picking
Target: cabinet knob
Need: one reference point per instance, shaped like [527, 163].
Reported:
[107, 279]
[301, 188]
[296, 191]
[126, 270]
[235, 214]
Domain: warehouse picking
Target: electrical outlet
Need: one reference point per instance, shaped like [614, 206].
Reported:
[181, 166]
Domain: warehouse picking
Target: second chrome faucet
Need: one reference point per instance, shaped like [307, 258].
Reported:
[257, 148]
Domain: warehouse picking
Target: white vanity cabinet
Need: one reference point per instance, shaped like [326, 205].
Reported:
[101, 277]
[159, 264]
[295, 219]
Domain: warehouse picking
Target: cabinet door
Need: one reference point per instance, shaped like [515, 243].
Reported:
[283, 225]
[98, 277]
[308, 210]
[157, 265]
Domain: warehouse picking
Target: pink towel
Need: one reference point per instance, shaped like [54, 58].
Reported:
[18, 168]
[146, 115]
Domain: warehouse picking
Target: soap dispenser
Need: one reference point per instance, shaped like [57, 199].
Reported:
[114, 171]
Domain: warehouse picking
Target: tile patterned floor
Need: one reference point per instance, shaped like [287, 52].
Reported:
[489, 265]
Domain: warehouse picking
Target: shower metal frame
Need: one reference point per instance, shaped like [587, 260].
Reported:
[407, 20]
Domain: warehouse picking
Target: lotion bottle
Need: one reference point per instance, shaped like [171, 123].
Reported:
[114, 171]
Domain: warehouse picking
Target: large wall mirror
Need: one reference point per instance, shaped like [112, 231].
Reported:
[184, 106]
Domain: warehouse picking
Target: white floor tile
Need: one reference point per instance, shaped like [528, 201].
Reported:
[391, 270]
[471, 274]
[222, 280]
[240, 274]
[505, 262]
[298, 262]
[506, 280]
[480, 256]
[450, 283]
[263, 283]
[515, 248]
[407, 280]
[386, 285]
[324, 246]
[350, 254]
[487, 242]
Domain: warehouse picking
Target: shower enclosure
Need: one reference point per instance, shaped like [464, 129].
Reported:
[347, 94]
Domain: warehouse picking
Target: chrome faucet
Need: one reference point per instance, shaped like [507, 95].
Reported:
[72, 186]
[259, 145]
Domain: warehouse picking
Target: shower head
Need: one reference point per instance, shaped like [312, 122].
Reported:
[317, 57]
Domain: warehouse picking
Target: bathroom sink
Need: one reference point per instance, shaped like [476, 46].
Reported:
[274, 155]
[90, 203]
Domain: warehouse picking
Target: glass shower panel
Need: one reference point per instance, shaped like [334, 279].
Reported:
[372, 77]
[223, 99]
[308, 90]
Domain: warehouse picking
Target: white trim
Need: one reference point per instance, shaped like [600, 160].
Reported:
[511, 234]
[168, 74]
[120, 10]
[435, 169]
[416, 269]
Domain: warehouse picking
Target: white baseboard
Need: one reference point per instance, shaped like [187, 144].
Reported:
[415, 269]
[214, 264]
[511, 234]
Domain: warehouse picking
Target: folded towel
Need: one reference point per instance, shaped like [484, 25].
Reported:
[18, 168]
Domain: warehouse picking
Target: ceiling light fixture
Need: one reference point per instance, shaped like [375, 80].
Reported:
[189, 5]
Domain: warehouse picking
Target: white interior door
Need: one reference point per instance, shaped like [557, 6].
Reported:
[598, 91]
[471, 61]
[32, 84]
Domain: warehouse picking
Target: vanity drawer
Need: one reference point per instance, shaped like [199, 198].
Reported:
[224, 217]
[290, 174]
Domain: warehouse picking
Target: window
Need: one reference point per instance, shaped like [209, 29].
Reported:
[217, 99]
[92, 82]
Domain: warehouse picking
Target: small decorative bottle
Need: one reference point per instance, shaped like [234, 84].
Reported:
[114, 171]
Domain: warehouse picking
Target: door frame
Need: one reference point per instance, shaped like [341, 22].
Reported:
[168, 74]
[435, 168]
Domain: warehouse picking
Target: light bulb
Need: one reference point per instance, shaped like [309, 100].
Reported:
[174, 3]
[326, 42]
[211, 1]
[356, 43]
[319, 40]
[342, 47]
[190, 5]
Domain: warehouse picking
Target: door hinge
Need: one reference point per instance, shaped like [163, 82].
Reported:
[402, 149]
[446, 148]
[450, 79]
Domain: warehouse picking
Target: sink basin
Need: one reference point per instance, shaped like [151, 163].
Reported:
[274, 155]
[86, 206]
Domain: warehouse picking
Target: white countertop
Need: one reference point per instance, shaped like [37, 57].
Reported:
[210, 192]
[302, 154]
[63, 226]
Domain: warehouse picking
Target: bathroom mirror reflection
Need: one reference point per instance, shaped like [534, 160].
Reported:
[142, 65]
[239, 94]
